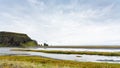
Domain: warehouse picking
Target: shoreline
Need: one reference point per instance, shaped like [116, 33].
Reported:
[87, 47]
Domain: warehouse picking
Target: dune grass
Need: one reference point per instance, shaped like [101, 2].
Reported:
[41, 62]
[73, 52]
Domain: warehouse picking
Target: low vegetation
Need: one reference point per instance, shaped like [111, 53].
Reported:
[41, 62]
[73, 52]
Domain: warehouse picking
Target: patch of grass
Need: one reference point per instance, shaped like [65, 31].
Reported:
[29, 44]
[17, 64]
[73, 52]
[41, 62]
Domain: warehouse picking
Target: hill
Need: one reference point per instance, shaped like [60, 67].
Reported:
[10, 39]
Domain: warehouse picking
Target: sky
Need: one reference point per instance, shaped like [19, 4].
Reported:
[63, 22]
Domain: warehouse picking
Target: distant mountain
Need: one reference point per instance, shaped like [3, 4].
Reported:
[10, 39]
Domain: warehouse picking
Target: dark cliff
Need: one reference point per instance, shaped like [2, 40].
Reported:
[10, 39]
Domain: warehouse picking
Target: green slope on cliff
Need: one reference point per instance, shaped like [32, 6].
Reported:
[10, 39]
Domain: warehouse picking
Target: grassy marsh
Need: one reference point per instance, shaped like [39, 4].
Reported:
[41, 62]
[73, 52]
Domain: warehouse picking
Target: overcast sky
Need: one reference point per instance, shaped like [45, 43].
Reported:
[63, 22]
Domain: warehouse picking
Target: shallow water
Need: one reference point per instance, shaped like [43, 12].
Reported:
[7, 51]
[83, 58]
[79, 49]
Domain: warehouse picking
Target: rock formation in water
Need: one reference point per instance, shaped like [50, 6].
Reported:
[10, 39]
